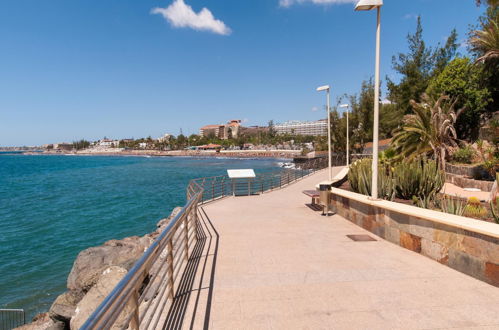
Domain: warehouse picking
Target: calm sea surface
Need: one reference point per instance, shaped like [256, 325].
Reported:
[52, 207]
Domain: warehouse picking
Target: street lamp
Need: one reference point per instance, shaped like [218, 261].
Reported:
[327, 88]
[346, 106]
[370, 5]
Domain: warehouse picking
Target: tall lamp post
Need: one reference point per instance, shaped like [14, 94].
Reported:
[346, 106]
[327, 88]
[370, 5]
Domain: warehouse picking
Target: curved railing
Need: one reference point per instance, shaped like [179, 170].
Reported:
[140, 297]
[217, 187]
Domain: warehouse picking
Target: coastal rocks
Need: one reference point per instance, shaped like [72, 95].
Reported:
[162, 224]
[64, 306]
[42, 322]
[95, 272]
[91, 262]
[109, 278]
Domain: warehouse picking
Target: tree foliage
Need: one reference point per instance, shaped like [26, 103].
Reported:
[429, 131]
[418, 66]
[461, 80]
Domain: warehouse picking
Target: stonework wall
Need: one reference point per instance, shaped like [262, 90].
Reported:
[476, 172]
[464, 182]
[469, 252]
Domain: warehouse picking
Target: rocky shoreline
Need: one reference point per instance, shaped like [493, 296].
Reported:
[94, 274]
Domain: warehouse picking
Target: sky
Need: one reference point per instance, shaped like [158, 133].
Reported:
[85, 69]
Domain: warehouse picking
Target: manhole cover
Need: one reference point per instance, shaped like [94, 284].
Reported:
[361, 238]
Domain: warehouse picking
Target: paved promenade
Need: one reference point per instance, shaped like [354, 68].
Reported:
[271, 262]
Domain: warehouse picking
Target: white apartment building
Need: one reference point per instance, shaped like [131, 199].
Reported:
[315, 128]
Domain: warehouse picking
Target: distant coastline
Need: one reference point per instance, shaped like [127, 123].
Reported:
[179, 153]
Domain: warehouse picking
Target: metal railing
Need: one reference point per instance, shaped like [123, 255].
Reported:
[217, 187]
[11, 318]
[140, 298]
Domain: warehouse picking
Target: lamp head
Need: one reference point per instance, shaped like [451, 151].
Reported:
[323, 88]
[345, 106]
[368, 4]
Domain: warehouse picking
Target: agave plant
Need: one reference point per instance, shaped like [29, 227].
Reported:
[452, 205]
[430, 130]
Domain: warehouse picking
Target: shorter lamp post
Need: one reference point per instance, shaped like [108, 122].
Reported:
[327, 88]
[346, 106]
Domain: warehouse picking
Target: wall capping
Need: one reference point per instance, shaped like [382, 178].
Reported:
[473, 225]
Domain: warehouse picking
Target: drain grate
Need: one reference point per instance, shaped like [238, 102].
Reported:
[361, 238]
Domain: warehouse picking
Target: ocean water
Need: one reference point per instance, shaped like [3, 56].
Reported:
[52, 207]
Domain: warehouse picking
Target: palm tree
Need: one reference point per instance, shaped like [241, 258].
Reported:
[429, 131]
[486, 41]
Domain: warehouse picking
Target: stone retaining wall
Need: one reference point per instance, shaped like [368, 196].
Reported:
[464, 182]
[475, 253]
[469, 171]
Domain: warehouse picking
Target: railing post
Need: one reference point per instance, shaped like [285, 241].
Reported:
[135, 322]
[171, 280]
[186, 236]
[213, 190]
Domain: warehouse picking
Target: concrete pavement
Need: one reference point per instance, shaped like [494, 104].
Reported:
[271, 262]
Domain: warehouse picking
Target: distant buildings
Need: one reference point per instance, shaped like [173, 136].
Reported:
[314, 128]
[223, 131]
[164, 138]
[107, 143]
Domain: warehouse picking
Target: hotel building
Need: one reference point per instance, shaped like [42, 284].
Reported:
[315, 128]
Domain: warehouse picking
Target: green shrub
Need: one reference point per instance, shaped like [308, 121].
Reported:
[464, 155]
[419, 178]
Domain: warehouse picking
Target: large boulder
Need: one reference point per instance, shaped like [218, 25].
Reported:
[42, 322]
[64, 306]
[91, 262]
[163, 223]
[108, 279]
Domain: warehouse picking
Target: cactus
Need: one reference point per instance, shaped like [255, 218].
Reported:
[494, 204]
[494, 209]
[475, 209]
[419, 178]
[360, 179]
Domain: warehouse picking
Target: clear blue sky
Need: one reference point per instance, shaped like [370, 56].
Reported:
[125, 68]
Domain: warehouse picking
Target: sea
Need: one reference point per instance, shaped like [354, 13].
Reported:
[54, 206]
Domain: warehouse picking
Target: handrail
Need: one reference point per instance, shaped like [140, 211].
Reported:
[129, 292]
[217, 187]
[149, 284]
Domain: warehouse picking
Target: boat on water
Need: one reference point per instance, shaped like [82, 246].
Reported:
[286, 165]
